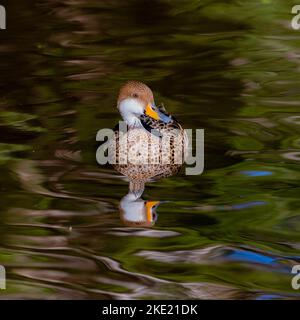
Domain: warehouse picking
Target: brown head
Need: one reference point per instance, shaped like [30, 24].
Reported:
[136, 90]
[136, 212]
[135, 99]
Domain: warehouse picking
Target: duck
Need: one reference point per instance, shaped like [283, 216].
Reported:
[149, 144]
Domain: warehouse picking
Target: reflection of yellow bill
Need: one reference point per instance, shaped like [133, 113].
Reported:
[149, 207]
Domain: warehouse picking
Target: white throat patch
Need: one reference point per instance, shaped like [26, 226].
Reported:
[130, 109]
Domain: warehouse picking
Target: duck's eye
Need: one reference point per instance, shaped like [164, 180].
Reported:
[135, 95]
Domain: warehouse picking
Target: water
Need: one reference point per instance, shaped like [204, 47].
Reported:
[231, 68]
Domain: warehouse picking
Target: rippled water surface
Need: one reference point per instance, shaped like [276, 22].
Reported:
[230, 67]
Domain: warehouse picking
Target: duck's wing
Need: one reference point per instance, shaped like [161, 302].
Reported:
[149, 125]
[157, 127]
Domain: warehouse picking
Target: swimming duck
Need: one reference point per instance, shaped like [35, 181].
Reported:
[153, 144]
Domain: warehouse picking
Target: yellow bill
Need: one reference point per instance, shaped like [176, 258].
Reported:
[149, 207]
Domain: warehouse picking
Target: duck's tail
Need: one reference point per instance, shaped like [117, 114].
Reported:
[137, 187]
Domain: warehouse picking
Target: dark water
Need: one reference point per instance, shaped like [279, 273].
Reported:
[230, 67]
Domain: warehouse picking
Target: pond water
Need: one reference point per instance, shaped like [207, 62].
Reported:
[229, 67]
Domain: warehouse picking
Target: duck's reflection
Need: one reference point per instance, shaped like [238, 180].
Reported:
[136, 212]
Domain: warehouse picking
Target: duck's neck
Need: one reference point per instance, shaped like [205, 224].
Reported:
[133, 121]
[130, 109]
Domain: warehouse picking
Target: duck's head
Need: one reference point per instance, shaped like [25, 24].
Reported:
[136, 99]
[136, 212]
